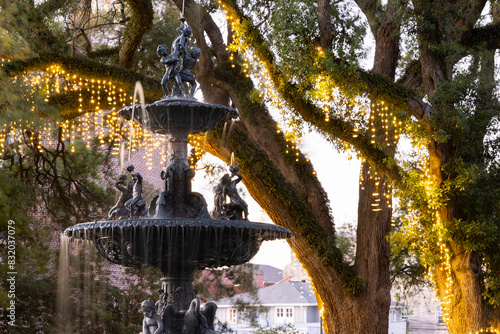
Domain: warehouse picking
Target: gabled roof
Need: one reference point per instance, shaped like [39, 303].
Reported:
[283, 293]
[271, 274]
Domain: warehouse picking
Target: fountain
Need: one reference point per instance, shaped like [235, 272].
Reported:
[176, 233]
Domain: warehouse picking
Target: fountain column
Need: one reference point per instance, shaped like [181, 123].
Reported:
[179, 291]
[179, 174]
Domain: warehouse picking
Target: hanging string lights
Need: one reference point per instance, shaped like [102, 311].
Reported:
[93, 118]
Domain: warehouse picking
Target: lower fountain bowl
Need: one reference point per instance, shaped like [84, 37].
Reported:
[177, 246]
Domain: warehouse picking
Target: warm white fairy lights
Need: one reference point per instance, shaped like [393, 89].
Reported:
[98, 102]
[489, 330]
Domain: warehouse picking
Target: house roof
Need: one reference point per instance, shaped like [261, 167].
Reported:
[271, 274]
[283, 293]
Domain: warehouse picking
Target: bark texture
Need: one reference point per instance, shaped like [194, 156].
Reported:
[140, 21]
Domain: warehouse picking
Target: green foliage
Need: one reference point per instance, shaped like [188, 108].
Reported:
[292, 30]
[73, 185]
[283, 329]
[407, 270]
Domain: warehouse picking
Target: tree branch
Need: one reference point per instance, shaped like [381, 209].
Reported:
[336, 127]
[85, 68]
[372, 10]
[487, 37]
[141, 20]
[326, 28]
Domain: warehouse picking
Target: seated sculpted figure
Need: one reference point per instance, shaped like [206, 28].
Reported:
[237, 207]
[152, 323]
[136, 204]
[231, 191]
[119, 211]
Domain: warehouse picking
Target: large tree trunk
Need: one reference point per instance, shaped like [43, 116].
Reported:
[459, 290]
[374, 206]
[372, 248]
[292, 196]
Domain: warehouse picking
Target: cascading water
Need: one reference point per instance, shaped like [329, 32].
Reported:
[144, 116]
[175, 232]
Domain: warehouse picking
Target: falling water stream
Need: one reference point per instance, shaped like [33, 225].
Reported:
[137, 90]
[224, 132]
[231, 127]
[63, 288]
[80, 289]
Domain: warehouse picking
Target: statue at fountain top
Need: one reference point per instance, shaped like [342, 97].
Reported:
[179, 45]
[172, 62]
[119, 211]
[186, 71]
[136, 204]
[152, 323]
[172, 68]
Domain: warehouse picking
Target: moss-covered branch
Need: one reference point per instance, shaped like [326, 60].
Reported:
[104, 53]
[283, 182]
[345, 77]
[47, 8]
[85, 68]
[141, 20]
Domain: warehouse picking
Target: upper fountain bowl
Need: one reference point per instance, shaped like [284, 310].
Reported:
[179, 117]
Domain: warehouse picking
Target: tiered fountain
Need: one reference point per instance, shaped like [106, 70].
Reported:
[176, 233]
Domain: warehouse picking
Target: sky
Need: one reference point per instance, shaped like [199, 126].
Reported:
[339, 177]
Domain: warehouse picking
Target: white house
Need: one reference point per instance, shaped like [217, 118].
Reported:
[285, 302]
[289, 299]
[291, 302]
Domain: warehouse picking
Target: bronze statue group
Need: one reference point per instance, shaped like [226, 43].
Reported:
[177, 68]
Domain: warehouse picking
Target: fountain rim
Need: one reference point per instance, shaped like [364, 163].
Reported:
[176, 223]
[179, 117]
[183, 102]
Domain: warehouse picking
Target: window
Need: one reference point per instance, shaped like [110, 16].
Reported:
[233, 316]
[284, 314]
[405, 314]
[439, 314]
